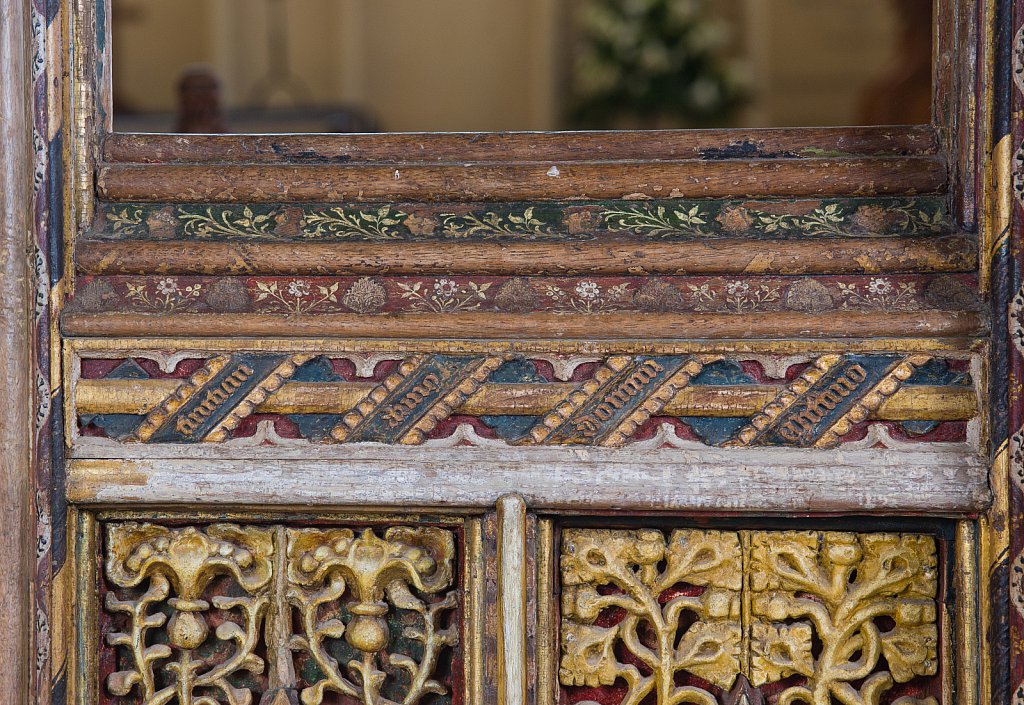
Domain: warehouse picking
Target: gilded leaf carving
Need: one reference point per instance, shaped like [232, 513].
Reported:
[405, 570]
[176, 566]
[199, 613]
[827, 617]
[639, 572]
[865, 597]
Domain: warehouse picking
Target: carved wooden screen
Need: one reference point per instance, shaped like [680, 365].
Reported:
[677, 417]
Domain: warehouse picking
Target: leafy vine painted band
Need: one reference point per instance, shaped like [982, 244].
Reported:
[654, 219]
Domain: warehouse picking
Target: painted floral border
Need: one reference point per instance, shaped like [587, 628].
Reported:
[655, 220]
[569, 295]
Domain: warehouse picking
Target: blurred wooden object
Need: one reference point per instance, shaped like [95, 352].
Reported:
[199, 102]
[904, 95]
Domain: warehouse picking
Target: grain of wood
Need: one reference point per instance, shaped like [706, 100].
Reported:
[950, 481]
[738, 256]
[373, 183]
[505, 146]
[484, 325]
[16, 392]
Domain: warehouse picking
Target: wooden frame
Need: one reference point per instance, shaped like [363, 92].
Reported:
[16, 218]
[952, 159]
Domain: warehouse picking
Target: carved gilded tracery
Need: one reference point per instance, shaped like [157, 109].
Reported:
[795, 618]
[227, 614]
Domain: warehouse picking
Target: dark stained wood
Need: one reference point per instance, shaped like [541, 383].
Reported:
[955, 253]
[534, 326]
[739, 178]
[518, 146]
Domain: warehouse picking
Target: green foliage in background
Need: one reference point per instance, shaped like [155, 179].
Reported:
[647, 63]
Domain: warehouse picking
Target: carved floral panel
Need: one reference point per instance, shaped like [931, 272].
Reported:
[239, 615]
[783, 618]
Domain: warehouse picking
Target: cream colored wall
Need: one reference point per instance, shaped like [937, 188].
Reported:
[438, 65]
[486, 64]
[810, 60]
[162, 38]
[450, 64]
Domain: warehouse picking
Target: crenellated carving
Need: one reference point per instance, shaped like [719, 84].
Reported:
[197, 610]
[826, 617]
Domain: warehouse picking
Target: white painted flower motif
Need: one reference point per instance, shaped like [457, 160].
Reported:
[881, 287]
[167, 286]
[298, 288]
[737, 288]
[445, 288]
[588, 290]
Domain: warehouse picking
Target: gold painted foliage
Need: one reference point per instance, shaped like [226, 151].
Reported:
[865, 597]
[375, 575]
[843, 616]
[157, 572]
[183, 563]
[628, 562]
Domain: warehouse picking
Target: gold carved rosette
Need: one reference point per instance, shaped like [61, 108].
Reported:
[748, 617]
[238, 615]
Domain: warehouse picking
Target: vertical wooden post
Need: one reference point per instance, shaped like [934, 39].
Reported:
[967, 621]
[15, 357]
[512, 600]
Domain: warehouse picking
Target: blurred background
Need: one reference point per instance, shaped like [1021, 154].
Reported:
[494, 65]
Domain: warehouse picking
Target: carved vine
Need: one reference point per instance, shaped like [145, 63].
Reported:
[176, 566]
[831, 618]
[376, 575]
[628, 562]
[169, 586]
[864, 597]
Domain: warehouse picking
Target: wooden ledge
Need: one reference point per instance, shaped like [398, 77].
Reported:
[512, 146]
[474, 325]
[949, 481]
[854, 255]
[528, 180]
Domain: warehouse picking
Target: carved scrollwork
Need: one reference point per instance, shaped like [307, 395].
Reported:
[702, 576]
[865, 597]
[197, 614]
[176, 566]
[373, 578]
[829, 617]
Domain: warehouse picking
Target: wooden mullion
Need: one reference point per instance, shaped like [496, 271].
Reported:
[513, 681]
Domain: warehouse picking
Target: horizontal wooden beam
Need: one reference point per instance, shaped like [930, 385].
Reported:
[534, 180]
[133, 396]
[951, 481]
[864, 255]
[473, 325]
[505, 146]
